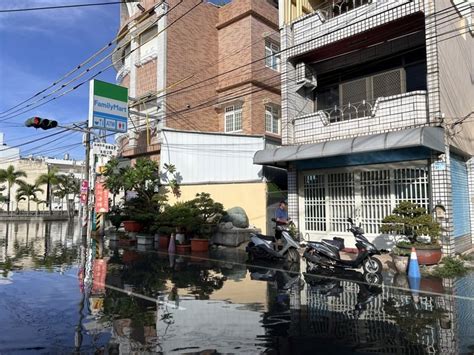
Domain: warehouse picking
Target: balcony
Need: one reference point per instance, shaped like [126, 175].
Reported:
[389, 113]
[338, 20]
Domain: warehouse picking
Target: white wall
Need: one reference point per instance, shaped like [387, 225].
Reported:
[211, 157]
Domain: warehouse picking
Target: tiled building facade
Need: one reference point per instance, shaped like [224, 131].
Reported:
[376, 109]
[197, 66]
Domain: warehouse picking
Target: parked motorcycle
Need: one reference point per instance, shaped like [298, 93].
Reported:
[265, 247]
[326, 253]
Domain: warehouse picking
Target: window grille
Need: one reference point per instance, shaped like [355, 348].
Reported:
[354, 91]
[272, 119]
[387, 84]
[330, 198]
[272, 55]
[314, 202]
[233, 118]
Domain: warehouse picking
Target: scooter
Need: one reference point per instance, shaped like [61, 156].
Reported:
[327, 253]
[265, 247]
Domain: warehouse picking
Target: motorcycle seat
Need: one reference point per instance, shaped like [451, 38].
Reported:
[331, 246]
[336, 242]
[266, 237]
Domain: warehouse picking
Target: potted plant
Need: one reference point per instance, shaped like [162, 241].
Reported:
[208, 213]
[418, 229]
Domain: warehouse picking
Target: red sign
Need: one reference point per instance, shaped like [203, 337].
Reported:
[84, 188]
[101, 197]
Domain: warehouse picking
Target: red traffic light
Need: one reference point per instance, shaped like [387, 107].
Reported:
[43, 123]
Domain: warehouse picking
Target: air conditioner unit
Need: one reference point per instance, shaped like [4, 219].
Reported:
[305, 76]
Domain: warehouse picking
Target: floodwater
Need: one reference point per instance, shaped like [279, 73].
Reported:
[56, 296]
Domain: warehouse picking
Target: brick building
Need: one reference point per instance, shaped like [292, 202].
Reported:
[197, 66]
[204, 88]
[376, 109]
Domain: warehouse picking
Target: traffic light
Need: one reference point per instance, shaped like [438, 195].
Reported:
[42, 123]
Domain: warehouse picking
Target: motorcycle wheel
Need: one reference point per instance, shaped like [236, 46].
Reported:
[292, 256]
[372, 265]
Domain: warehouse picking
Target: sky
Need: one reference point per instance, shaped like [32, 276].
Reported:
[39, 47]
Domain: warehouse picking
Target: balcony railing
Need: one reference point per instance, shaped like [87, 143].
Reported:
[338, 7]
[346, 112]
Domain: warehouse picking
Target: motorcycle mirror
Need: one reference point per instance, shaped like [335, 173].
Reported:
[350, 220]
[274, 220]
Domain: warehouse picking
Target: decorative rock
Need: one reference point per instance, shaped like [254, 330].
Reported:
[237, 216]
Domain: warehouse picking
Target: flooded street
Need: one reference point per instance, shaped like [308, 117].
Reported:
[53, 300]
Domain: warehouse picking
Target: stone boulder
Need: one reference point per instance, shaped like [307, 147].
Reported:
[237, 216]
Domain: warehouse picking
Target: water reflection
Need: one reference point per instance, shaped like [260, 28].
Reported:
[114, 299]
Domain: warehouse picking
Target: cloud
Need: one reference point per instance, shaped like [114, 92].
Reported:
[53, 22]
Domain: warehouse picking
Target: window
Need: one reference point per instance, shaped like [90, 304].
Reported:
[328, 199]
[147, 35]
[272, 119]
[126, 53]
[233, 118]
[352, 99]
[272, 55]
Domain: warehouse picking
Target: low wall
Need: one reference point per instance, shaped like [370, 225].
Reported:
[250, 196]
[33, 218]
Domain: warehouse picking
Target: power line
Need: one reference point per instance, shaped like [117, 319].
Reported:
[201, 105]
[64, 6]
[312, 39]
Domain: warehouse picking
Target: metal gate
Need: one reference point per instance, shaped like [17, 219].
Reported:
[460, 196]
[328, 198]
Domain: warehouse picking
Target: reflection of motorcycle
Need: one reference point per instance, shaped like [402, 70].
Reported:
[329, 283]
[285, 279]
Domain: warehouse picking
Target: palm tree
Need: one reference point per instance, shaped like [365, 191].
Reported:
[50, 179]
[11, 177]
[67, 185]
[29, 191]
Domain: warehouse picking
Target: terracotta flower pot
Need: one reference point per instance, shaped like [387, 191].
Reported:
[426, 254]
[183, 248]
[199, 245]
[163, 241]
[132, 226]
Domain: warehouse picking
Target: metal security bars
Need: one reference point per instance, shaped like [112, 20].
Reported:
[367, 194]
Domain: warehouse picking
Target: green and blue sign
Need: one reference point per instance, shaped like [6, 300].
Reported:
[108, 106]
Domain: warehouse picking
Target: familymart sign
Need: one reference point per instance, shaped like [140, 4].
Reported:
[108, 106]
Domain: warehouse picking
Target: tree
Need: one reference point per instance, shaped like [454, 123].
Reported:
[50, 179]
[114, 179]
[27, 191]
[68, 185]
[11, 177]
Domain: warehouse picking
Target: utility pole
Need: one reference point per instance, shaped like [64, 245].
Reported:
[86, 209]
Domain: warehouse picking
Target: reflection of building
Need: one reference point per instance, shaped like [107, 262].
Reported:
[389, 323]
[377, 109]
[25, 242]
